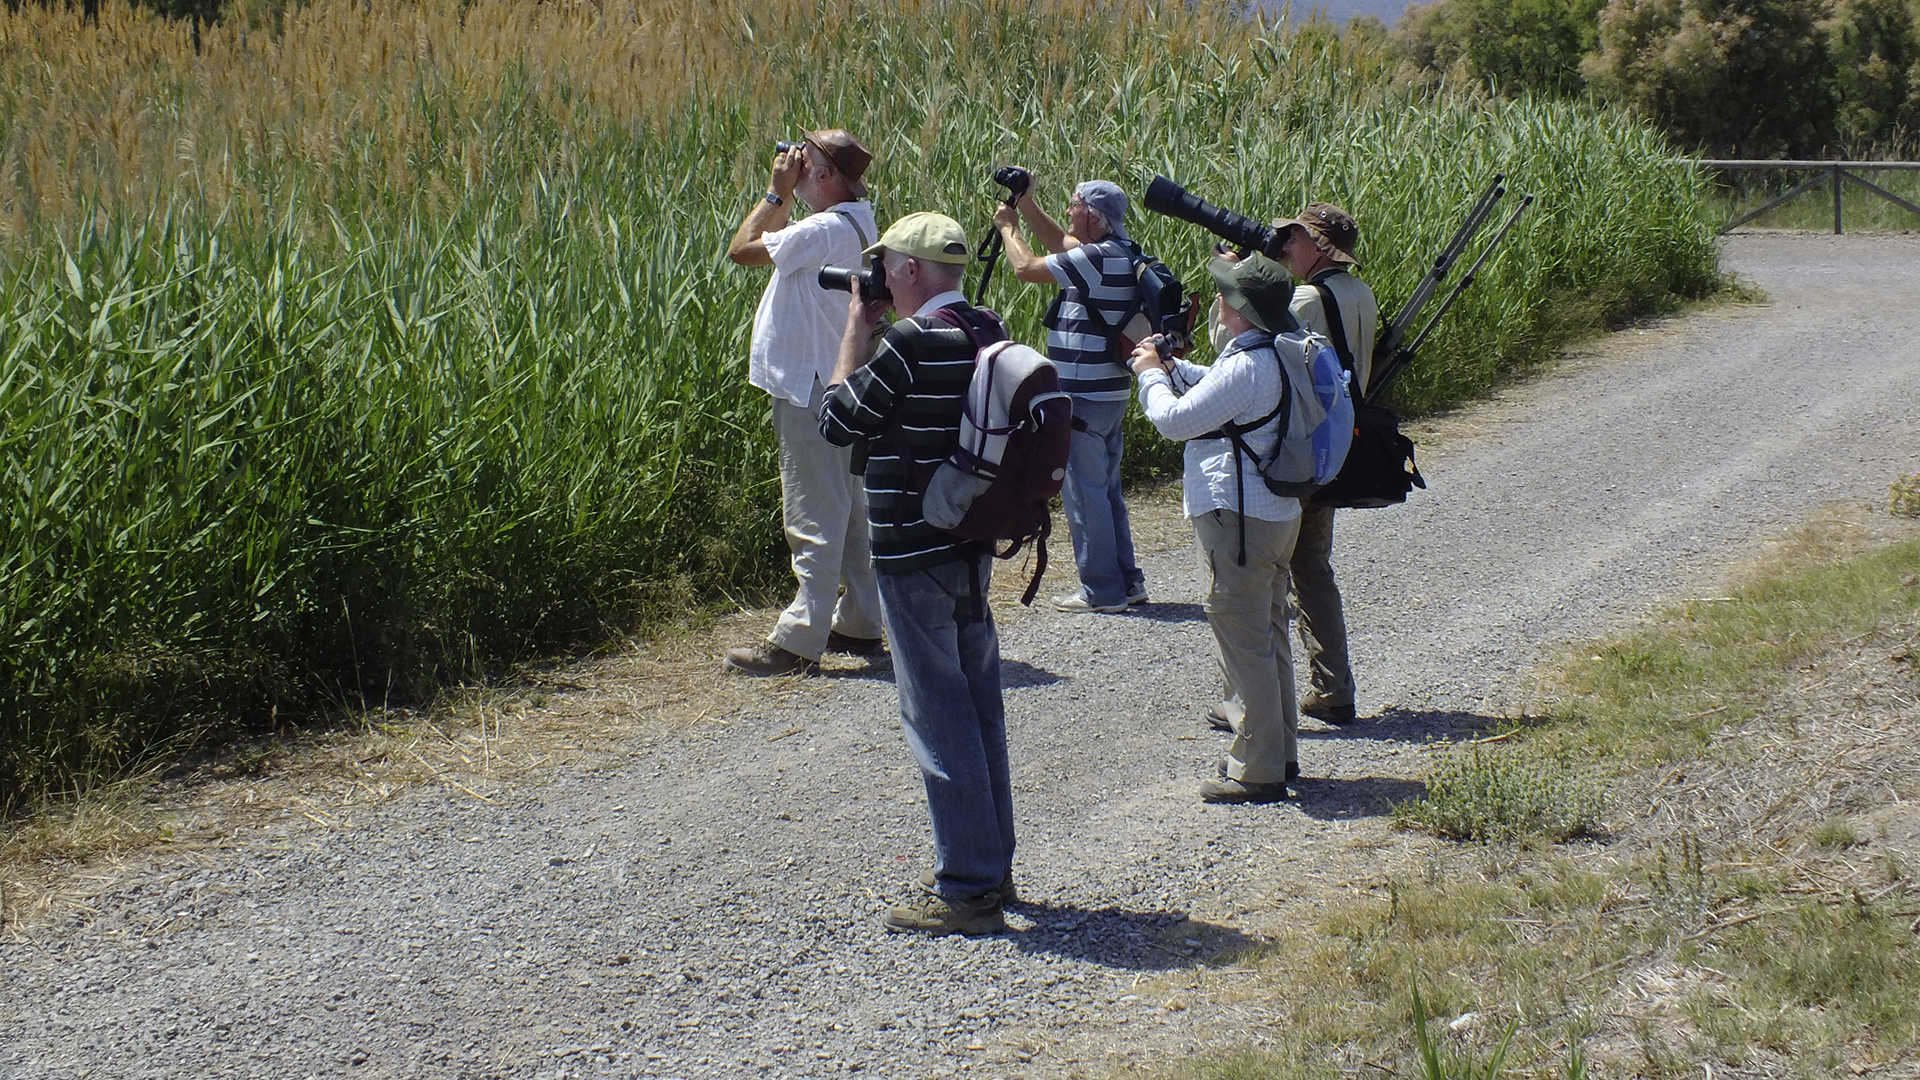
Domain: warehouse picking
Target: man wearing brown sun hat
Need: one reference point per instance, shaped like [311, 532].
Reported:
[1332, 302]
[796, 338]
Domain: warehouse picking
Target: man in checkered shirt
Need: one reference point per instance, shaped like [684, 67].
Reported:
[1245, 532]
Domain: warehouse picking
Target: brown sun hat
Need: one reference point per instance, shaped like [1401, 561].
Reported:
[847, 155]
[1330, 228]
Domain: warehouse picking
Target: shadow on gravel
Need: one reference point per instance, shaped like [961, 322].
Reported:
[1351, 798]
[1169, 613]
[1020, 673]
[1012, 673]
[1118, 938]
[1406, 725]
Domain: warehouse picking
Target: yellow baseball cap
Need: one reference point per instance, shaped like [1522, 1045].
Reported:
[925, 235]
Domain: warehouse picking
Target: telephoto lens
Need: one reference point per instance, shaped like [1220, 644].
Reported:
[783, 146]
[1166, 197]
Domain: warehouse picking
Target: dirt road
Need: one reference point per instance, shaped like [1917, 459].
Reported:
[708, 906]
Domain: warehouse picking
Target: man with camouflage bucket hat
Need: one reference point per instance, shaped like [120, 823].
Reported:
[1331, 301]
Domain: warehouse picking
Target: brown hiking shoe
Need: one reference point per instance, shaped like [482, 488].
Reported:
[1225, 789]
[1327, 712]
[1005, 894]
[766, 658]
[937, 915]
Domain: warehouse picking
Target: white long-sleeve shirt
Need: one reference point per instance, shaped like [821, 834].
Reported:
[1241, 386]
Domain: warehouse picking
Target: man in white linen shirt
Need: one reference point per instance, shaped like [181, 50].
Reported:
[796, 338]
[1245, 533]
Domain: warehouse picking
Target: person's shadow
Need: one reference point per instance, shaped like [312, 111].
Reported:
[1168, 613]
[1013, 673]
[1409, 725]
[1353, 798]
[1119, 938]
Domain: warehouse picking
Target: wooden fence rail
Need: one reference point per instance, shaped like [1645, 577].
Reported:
[1836, 172]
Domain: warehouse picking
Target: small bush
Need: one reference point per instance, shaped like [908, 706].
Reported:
[1903, 496]
[1503, 796]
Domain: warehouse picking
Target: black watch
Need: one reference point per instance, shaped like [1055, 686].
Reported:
[774, 199]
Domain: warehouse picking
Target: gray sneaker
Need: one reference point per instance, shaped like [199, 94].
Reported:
[938, 916]
[930, 884]
[1077, 602]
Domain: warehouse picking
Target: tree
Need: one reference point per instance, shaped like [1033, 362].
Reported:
[1507, 46]
[1875, 51]
[1745, 77]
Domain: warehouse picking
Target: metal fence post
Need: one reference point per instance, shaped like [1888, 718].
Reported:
[1836, 198]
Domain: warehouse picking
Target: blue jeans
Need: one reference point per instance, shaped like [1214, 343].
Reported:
[946, 666]
[1096, 509]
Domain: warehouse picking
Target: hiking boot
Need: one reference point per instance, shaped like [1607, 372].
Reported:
[1137, 594]
[1005, 894]
[1224, 789]
[1325, 711]
[1077, 602]
[1293, 770]
[938, 915]
[854, 646]
[766, 658]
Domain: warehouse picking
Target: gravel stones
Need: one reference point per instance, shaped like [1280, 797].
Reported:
[710, 909]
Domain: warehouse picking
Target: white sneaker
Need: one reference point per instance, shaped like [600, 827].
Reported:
[1137, 594]
[1077, 602]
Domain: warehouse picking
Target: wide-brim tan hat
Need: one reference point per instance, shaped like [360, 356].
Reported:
[1331, 229]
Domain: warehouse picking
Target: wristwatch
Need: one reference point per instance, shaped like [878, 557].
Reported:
[774, 199]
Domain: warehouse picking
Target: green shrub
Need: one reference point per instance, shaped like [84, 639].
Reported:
[1503, 795]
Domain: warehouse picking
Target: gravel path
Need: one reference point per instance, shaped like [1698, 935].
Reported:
[708, 907]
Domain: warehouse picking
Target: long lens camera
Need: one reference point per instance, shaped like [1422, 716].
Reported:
[870, 282]
[1166, 197]
[783, 146]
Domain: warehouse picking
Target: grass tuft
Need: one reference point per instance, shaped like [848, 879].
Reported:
[1504, 795]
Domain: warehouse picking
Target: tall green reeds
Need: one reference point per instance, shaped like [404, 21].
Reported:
[391, 349]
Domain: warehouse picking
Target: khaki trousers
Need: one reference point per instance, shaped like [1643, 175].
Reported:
[1323, 625]
[1247, 608]
[824, 509]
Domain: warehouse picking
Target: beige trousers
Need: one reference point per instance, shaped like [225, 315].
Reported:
[824, 509]
[1248, 610]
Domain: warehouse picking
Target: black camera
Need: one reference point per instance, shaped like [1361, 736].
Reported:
[783, 146]
[871, 282]
[1166, 197]
[1015, 179]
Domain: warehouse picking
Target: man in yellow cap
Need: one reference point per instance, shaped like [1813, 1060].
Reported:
[796, 332]
[900, 400]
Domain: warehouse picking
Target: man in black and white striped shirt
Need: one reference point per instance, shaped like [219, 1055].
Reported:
[1092, 261]
[902, 399]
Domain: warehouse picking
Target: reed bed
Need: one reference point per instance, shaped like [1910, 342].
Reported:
[369, 349]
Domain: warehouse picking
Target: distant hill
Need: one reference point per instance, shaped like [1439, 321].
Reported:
[1342, 10]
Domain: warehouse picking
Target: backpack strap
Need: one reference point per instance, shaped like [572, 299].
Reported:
[865, 243]
[1337, 330]
[1237, 435]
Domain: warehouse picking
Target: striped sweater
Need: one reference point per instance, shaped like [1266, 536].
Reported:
[1097, 292]
[905, 404]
